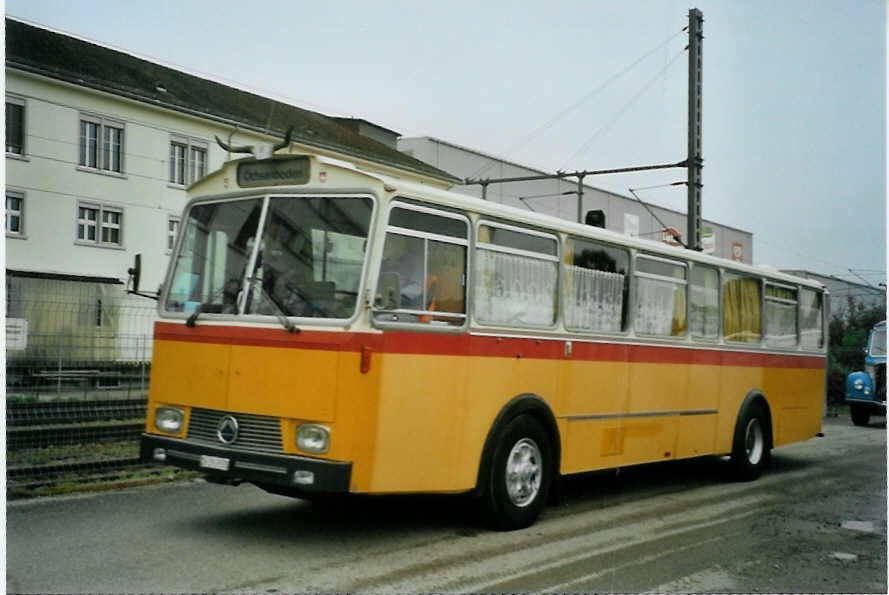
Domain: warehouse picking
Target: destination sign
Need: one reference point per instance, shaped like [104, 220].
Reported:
[274, 172]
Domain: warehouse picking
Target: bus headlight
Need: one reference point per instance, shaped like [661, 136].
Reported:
[858, 384]
[313, 438]
[168, 419]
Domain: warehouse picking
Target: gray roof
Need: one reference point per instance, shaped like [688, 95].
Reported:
[41, 51]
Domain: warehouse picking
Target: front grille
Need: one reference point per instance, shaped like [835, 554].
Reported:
[255, 432]
[880, 382]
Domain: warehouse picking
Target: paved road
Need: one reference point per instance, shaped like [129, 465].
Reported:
[816, 522]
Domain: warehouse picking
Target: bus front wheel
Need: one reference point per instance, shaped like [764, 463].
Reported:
[519, 477]
[860, 415]
[751, 448]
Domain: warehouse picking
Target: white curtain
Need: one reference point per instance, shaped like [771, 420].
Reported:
[654, 306]
[595, 299]
[780, 324]
[513, 289]
[704, 315]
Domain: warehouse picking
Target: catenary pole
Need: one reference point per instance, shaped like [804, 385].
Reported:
[695, 161]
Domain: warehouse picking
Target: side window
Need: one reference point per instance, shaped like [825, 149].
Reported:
[516, 276]
[101, 145]
[172, 230]
[188, 160]
[703, 318]
[423, 271]
[741, 309]
[99, 224]
[811, 319]
[15, 126]
[781, 306]
[596, 286]
[660, 297]
[15, 214]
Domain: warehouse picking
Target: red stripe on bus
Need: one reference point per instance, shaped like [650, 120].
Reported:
[464, 344]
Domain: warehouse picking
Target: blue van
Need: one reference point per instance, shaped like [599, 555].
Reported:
[866, 391]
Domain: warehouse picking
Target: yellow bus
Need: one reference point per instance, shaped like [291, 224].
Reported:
[325, 329]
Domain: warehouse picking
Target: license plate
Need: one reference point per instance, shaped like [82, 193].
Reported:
[217, 463]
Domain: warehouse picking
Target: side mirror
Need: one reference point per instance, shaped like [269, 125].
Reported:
[135, 273]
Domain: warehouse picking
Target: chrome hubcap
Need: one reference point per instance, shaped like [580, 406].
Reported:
[754, 443]
[524, 472]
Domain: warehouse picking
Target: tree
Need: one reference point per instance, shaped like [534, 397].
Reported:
[848, 338]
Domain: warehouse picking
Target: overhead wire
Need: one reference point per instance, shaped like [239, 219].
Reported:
[632, 101]
[786, 248]
[552, 121]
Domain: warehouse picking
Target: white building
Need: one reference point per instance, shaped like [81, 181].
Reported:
[100, 148]
[623, 214]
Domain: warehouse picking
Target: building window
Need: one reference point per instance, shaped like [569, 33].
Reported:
[188, 160]
[15, 126]
[111, 227]
[99, 224]
[15, 213]
[172, 229]
[101, 144]
[197, 161]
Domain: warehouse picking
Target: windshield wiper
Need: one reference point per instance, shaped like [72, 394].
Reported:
[189, 322]
[204, 306]
[279, 314]
[208, 307]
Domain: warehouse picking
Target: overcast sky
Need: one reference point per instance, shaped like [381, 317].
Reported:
[794, 93]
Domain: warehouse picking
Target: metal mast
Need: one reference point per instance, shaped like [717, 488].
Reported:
[695, 160]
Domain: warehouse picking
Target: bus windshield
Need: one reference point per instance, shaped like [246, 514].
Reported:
[307, 263]
[878, 342]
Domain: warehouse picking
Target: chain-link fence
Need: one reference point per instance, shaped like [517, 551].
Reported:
[78, 340]
[77, 366]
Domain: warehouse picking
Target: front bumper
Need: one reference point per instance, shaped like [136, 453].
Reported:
[287, 471]
[865, 394]
[869, 404]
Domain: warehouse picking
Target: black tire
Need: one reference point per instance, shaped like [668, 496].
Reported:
[860, 415]
[751, 447]
[516, 484]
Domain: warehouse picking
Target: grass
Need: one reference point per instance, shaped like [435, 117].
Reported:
[72, 454]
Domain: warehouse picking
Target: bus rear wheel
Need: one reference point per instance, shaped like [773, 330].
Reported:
[518, 480]
[751, 448]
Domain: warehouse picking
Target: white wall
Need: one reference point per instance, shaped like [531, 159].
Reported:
[52, 183]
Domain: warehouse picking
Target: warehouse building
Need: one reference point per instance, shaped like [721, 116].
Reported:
[622, 214]
[844, 292]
